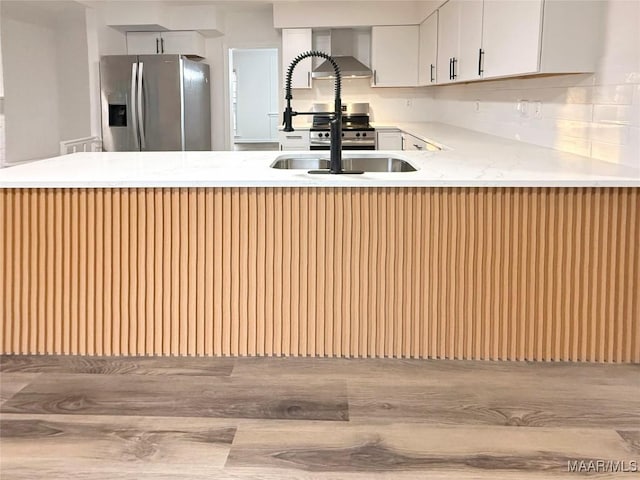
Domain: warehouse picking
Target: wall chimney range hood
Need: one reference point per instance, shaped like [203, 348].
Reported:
[349, 47]
[350, 67]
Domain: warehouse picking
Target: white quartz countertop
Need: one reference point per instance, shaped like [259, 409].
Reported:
[470, 159]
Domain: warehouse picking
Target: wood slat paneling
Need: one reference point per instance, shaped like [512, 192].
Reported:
[492, 273]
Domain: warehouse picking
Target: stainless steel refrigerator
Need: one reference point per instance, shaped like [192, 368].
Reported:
[154, 103]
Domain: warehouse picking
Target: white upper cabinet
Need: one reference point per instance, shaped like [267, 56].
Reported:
[448, 41]
[294, 42]
[180, 42]
[572, 36]
[143, 43]
[427, 68]
[183, 42]
[459, 40]
[540, 36]
[511, 33]
[394, 56]
[502, 38]
[470, 34]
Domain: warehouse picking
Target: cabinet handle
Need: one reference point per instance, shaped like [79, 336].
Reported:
[375, 77]
[418, 147]
[162, 45]
[157, 45]
[480, 58]
[453, 69]
[450, 71]
[308, 79]
[431, 72]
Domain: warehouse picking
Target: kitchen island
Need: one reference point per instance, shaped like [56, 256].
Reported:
[492, 249]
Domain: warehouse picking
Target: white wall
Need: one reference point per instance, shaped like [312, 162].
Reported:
[147, 14]
[214, 48]
[49, 84]
[110, 40]
[101, 40]
[151, 15]
[596, 115]
[2, 144]
[244, 28]
[387, 105]
[1, 74]
[31, 90]
[74, 107]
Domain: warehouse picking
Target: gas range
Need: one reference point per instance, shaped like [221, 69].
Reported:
[357, 133]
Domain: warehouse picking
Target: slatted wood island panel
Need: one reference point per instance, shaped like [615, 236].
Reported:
[470, 273]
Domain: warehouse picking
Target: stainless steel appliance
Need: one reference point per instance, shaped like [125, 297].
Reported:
[154, 103]
[357, 133]
[347, 47]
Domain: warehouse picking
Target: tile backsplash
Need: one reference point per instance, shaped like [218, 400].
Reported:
[571, 113]
[386, 104]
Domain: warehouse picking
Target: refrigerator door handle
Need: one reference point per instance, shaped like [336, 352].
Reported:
[134, 113]
[140, 110]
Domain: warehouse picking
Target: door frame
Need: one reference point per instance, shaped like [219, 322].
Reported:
[229, 138]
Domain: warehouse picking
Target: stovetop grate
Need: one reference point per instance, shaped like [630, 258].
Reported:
[349, 123]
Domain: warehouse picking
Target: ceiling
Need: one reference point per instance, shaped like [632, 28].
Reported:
[52, 12]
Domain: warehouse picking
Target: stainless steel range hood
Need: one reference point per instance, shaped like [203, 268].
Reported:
[350, 67]
[346, 45]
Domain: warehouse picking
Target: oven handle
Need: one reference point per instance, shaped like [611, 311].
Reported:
[344, 142]
[344, 147]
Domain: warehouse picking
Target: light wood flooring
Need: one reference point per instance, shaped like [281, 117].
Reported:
[312, 418]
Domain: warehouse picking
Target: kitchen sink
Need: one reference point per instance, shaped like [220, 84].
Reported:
[362, 162]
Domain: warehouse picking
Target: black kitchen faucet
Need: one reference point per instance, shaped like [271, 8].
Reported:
[335, 162]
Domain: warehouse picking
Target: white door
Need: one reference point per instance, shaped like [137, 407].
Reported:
[394, 56]
[511, 37]
[255, 95]
[294, 42]
[428, 50]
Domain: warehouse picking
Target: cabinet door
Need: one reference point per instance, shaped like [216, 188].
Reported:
[389, 140]
[428, 50]
[411, 143]
[448, 16]
[470, 34]
[182, 43]
[297, 140]
[394, 56]
[143, 43]
[294, 42]
[511, 37]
